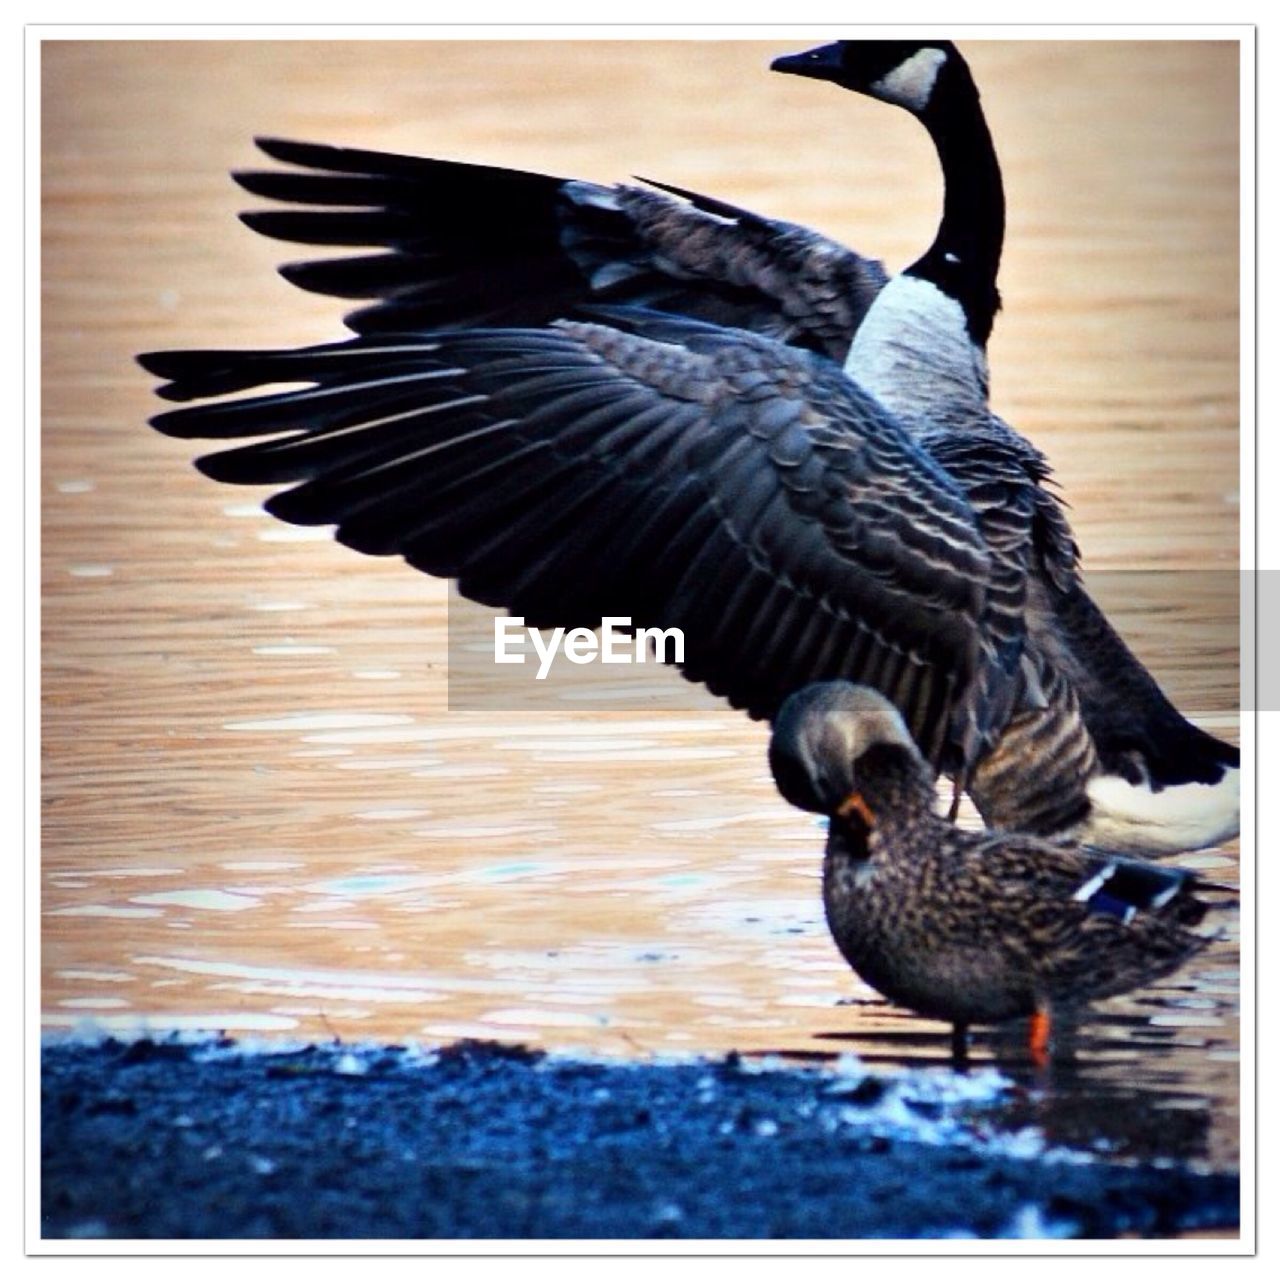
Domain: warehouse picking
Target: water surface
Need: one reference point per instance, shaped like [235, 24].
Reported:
[259, 815]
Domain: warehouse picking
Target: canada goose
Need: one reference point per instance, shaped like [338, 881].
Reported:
[967, 927]
[835, 533]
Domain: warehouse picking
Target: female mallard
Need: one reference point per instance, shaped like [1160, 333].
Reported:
[966, 927]
[776, 451]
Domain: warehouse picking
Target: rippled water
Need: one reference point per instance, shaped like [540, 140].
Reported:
[259, 816]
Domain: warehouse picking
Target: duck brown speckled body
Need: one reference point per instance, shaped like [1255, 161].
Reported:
[967, 927]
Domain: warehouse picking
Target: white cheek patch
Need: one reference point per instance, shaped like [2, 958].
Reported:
[911, 82]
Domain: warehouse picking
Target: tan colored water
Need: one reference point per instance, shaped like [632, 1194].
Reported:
[258, 814]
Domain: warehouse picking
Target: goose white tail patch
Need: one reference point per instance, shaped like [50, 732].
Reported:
[910, 83]
[1136, 819]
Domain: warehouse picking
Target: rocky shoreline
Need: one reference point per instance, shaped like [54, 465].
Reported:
[208, 1140]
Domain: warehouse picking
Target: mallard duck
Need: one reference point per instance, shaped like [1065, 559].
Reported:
[966, 927]
[682, 471]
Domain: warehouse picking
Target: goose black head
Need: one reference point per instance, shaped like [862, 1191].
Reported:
[904, 72]
[931, 80]
[821, 734]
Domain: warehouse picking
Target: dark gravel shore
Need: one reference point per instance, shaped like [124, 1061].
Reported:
[173, 1140]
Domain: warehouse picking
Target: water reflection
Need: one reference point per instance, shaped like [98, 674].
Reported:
[424, 898]
[1126, 1082]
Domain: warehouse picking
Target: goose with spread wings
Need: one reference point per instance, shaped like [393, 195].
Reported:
[585, 401]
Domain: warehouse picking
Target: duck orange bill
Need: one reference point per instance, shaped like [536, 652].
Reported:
[854, 803]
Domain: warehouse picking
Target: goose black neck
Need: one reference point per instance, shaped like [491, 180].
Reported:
[964, 259]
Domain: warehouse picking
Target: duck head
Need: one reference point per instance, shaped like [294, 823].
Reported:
[822, 734]
[910, 74]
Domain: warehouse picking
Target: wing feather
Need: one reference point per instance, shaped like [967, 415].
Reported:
[463, 245]
[723, 483]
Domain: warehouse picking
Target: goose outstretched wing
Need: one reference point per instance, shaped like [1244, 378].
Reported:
[683, 475]
[462, 245]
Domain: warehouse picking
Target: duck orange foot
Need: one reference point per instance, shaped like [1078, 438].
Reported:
[1038, 1034]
